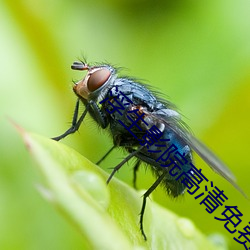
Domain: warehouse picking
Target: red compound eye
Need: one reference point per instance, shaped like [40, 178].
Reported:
[97, 79]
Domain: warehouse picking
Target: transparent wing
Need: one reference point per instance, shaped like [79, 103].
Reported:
[176, 125]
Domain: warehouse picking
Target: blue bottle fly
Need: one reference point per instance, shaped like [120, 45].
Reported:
[148, 127]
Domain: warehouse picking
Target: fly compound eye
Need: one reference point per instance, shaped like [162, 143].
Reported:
[97, 79]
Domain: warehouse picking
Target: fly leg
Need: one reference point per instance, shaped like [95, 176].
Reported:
[105, 155]
[135, 169]
[116, 168]
[145, 196]
[75, 124]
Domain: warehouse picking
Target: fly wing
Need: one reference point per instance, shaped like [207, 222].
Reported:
[174, 123]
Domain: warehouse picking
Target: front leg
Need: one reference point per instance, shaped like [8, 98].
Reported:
[75, 124]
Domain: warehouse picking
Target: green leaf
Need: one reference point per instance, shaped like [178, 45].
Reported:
[107, 215]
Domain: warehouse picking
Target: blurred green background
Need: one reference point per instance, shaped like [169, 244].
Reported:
[195, 52]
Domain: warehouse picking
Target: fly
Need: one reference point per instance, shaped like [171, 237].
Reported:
[148, 127]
